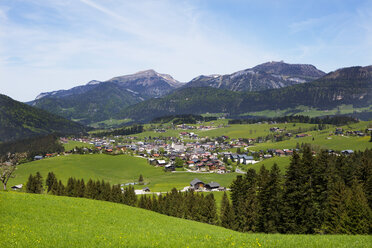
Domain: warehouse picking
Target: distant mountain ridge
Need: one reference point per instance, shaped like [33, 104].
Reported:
[270, 75]
[148, 94]
[20, 121]
[345, 86]
[99, 101]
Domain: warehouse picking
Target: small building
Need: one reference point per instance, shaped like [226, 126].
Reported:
[161, 162]
[170, 167]
[17, 187]
[196, 184]
[212, 185]
[347, 152]
[146, 189]
[38, 157]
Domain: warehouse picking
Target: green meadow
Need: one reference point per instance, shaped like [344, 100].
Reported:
[114, 169]
[30, 220]
[71, 144]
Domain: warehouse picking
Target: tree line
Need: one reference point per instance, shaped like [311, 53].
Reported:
[122, 131]
[331, 120]
[183, 119]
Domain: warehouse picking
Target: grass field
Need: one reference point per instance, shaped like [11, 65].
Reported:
[29, 220]
[114, 169]
[72, 144]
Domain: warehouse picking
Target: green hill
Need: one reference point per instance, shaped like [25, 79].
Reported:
[19, 121]
[29, 220]
[114, 169]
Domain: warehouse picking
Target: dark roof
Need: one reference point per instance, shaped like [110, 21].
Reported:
[195, 181]
[213, 185]
[146, 189]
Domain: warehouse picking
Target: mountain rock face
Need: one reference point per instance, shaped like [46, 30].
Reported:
[19, 121]
[98, 101]
[345, 86]
[271, 75]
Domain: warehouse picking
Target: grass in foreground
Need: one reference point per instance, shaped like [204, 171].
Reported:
[29, 220]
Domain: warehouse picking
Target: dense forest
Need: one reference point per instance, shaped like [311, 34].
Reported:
[183, 119]
[325, 194]
[122, 131]
[20, 121]
[40, 145]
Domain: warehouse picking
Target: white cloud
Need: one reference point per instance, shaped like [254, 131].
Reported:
[111, 38]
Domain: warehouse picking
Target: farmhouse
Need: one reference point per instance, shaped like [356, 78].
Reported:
[196, 184]
[212, 185]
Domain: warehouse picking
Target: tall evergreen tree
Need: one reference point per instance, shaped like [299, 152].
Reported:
[269, 200]
[51, 179]
[227, 217]
[70, 188]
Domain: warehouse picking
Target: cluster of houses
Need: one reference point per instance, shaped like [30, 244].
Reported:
[341, 132]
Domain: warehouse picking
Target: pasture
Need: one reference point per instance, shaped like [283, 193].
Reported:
[114, 169]
[30, 220]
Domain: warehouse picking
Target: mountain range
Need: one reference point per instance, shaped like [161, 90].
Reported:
[148, 94]
[20, 121]
[271, 75]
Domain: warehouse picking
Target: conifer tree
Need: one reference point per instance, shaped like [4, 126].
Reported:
[61, 188]
[140, 179]
[358, 214]
[30, 185]
[38, 183]
[227, 217]
[89, 191]
[70, 188]
[269, 200]
[292, 197]
[210, 209]
[51, 179]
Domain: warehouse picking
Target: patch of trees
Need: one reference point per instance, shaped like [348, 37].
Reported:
[186, 205]
[326, 194]
[183, 119]
[332, 120]
[33, 146]
[122, 131]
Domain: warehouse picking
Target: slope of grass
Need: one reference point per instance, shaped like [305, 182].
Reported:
[72, 144]
[114, 169]
[29, 220]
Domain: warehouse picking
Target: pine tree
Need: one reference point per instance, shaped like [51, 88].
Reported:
[116, 195]
[358, 214]
[244, 198]
[70, 187]
[210, 209]
[89, 191]
[269, 200]
[292, 196]
[335, 209]
[30, 185]
[61, 188]
[227, 217]
[51, 179]
[38, 182]
[140, 179]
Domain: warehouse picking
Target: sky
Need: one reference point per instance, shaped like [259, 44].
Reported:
[48, 45]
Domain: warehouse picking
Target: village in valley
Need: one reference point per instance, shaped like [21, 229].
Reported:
[186, 151]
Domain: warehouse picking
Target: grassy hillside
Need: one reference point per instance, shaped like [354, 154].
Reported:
[19, 121]
[114, 169]
[51, 221]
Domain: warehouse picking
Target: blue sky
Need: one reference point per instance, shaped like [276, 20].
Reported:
[48, 45]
